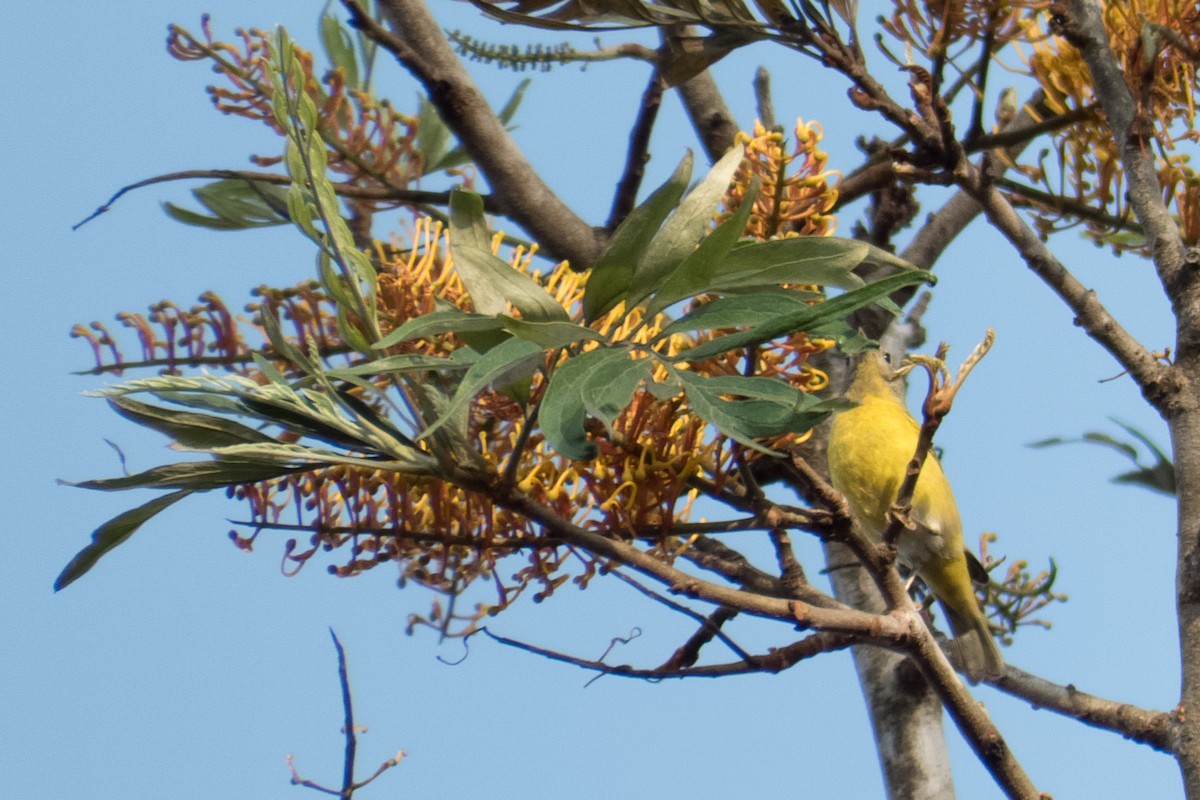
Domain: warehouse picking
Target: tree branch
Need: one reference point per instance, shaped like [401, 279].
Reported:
[348, 725]
[420, 46]
[712, 119]
[1157, 381]
[775, 661]
[1085, 29]
[638, 152]
[710, 625]
[1153, 728]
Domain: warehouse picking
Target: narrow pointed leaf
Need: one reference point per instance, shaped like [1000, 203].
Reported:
[491, 282]
[611, 276]
[406, 362]
[804, 319]
[736, 312]
[695, 273]
[438, 322]
[687, 226]
[504, 363]
[433, 137]
[820, 260]
[551, 334]
[185, 427]
[194, 475]
[339, 47]
[113, 533]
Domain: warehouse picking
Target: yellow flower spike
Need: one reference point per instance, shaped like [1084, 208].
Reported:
[527, 483]
[614, 499]
[639, 472]
[555, 491]
[421, 509]
[568, 474]
[691, 540]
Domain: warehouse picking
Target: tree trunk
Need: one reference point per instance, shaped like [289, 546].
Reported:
[906, 716]
[1185, 440]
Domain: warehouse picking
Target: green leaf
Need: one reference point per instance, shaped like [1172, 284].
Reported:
[736, 312]
[490, 281]
[774, 407]
[198, 220]
[696, 271]
[406, 362]
[563, 409]
[503, 364]
[435, 323]
[610, 385]
[514, 101]
[298, 457]
[687, 226]
[551, 334]
[1159, 476]
[235, 204]
[809, 317]
[339, 46]
[820, 260]
[192, 475]
[433, 137]
[279, 343]
[113, 533]
[611, 277]
[712, 408]
[187, 428]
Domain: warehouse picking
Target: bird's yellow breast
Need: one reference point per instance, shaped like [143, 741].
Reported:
[869, 448]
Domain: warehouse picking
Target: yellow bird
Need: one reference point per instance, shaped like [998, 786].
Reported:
[869, 447]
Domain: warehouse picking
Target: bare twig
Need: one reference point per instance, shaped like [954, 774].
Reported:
[353, 191]
[706, 623]
[775, 661]
[688, 653]
[349, 785]
[938, 402]
[638, 153]
[1157, 381]
[348, 724]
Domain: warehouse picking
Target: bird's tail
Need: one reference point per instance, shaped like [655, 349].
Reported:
[978, 654]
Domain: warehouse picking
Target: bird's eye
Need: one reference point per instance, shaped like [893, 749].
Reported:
[887, 357]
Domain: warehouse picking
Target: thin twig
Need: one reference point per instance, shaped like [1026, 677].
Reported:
[682, 609]
[638, 152]
[775, 661]
[354, 191]
[348, 724]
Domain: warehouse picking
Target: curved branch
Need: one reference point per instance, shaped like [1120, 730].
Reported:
[419, 44]
[1153, 728]
[1157, 381]
[415, 197]
[774, 661]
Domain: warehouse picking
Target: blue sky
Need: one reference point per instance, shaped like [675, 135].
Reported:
[182, 668]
